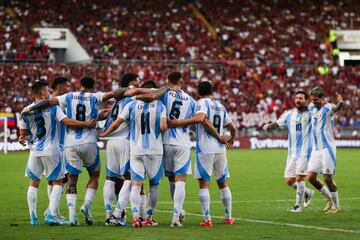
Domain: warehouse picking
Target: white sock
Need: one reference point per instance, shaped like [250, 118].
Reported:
[123, 199]
[143, 206]
[300, 192]
[179, 197]
[172, 189]
[135, 200]
[226, 198]
[89, 196]
[335, 198]
[307, 190]
[49, 189]
[325, 191]
[32, 201]
[152, 200]
[108, 195]
[71, 202]
[294, 185]
[55, 199]
[204, 198]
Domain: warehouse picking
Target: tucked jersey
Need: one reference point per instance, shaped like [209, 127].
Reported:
[178, 105]
[299, 132]
[145, 134]
[216, 113]
[323, 127]
[124, 130]
[44, 130]
[81, 106]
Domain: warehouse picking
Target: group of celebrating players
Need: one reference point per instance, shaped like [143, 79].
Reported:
[147, 132]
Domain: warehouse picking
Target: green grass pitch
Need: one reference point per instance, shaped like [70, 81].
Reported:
[261, 204]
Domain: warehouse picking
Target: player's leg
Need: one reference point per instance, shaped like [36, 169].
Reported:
[108, 195]
[329, 162]
[222, 174]
[169, 168]
[301, 164]
[153, 168]
[34, 171]
[137, 171]
[203, 171]
[143, 202]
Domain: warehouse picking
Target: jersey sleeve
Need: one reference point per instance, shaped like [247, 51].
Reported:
[24, 123]
[62, 100]
[99, 96]
[60, 115]
[201, 107]
[125, 113]
[282, 120]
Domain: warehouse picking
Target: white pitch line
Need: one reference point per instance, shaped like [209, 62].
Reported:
[276, 223]
[262, 201]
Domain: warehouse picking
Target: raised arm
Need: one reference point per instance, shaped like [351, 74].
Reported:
[79, 124]
[339, 103]
[137, 91]
[113, 126]
[269, 126]
[153, 95]
[40, 105]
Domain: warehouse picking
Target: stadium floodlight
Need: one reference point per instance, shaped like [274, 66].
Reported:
[4, 116]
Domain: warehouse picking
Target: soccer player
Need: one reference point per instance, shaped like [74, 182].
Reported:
[147, 122]
[298, 123]
[44, 158]
[323, 156]
[211, 151]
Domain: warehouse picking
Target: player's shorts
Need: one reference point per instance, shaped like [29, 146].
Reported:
[177, 160]
[323, 161]
[211, 164]
[84, 155]
[63, 159]
[152, 165]
[117, 157]
[50, 166]
[296, 166]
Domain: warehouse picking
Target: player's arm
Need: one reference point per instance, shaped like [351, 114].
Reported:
[153, 95]
[103, 114]
[232, 129]
[22, 134]
[113, 126]
[40, 105]
[197, 118]
[269, 126]
[339, 103]
[163, 125]
[78, 124]
[137, 91]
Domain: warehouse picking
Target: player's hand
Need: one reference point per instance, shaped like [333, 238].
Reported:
[224, 139]
[266, 126]
[172, 122]
[230, 142]
[338, 97]
[22, 141]
[91, 123]
[101, 133]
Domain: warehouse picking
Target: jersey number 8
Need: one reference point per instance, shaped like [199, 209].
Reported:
[80, 112]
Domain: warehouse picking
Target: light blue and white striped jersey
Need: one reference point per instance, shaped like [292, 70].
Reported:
[62, 129]
[216, 113]
[323, 127]
[299, 132]
[179, 105]
[44, 130]
[81, 106]
[124, 130]
[144, 118]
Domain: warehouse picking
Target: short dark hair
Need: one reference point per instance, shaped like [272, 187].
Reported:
[38, 86]
[174, 77]
[302, 92]
[128, 78]
[205, 88]
[59, 80]
[87, 82]
[318, 92]
[149, 84]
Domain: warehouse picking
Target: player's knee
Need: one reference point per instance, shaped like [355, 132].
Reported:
[289, 181]
[111, 178]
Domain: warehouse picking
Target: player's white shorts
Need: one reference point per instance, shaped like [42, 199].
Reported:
[117, 157]
[323, 161]
[152, 165]
[50, 166]
[207, 164]
[296, 166]
[177, 161]
[86, 155]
